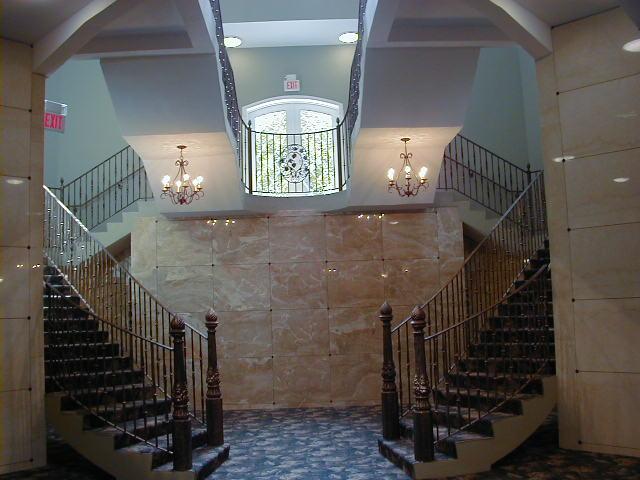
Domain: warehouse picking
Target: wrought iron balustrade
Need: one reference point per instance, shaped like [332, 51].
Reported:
[481, 175]
[106, 189]
[145, 329]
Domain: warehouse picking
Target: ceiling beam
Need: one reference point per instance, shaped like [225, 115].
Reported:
[70, 36]
[522, 26]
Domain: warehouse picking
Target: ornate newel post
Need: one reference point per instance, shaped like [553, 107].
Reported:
[215, 432]
[390, 412]
[422, 419]
[181, 421]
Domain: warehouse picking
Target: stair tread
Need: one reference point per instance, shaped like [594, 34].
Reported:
[130, 425]
[96, 373]
[441, 431]
[404, 448]
[201, 456]
[164, 441]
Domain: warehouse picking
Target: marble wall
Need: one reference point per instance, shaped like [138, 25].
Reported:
[297, 295]
[22, 425]
[590, 105]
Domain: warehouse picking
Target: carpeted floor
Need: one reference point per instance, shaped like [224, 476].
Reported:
[326, 444]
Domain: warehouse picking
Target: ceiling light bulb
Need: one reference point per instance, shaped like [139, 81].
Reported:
[423, 172]
[621, 179]
[407, 169]
[632, 46]
[15, 181]
[232, 42]
[391, 174]
[166, 179]
[348, 37]
[199, 179]
[185, 177]
[178, 183]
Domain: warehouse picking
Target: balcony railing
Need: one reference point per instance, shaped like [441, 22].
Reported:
[290, 164]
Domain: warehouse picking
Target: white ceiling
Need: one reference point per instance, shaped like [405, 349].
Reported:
[298, 33]
[556, 12]
[30, 20]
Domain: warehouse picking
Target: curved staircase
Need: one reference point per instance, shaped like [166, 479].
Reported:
[125, 378]
[476, 368]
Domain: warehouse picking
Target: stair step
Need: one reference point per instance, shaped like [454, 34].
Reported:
[65, 324]
[85, 350]
[105, 378]
[160, 457]
[151, 430]
[63, 300]
[502, 365]
[519, 321]
[517, 335]
[88, 365]
[515, 349]
[400, 453]
[444, 437]
[205, 460]
[474, 380]
[480, 399]
[110, 396]
[519, 308]
[65, 337]
[63, 312]
[124, 412]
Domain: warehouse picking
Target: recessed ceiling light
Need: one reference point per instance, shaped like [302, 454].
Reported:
[232, 42]
[348, 37]
[621, 179]
[632, 46]
[564, 158]
[14, 181]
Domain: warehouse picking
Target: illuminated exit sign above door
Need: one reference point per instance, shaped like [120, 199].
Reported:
[55, 116]
[291, 83]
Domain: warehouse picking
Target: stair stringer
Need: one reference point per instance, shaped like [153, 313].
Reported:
[98, 446]
[476, 456]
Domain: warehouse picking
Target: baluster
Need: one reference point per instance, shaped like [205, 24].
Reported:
[182, 454]
[249, 158]
[390, 412]
[215, 430]
[423, 447]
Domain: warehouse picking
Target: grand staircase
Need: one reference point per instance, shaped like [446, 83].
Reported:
[476, 367]
[125, 378]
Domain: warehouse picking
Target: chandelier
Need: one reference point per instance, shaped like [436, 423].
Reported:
[182, 190]
[412, 183]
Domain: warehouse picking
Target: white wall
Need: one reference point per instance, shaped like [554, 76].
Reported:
[323, 71]
[92, 132]
[503, 113]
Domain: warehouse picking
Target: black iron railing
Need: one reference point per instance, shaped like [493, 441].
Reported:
[143, 327]
[106, 189]
[278, 164]
[427, 347]
[481, 175]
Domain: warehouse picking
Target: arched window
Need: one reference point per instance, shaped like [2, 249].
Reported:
[294, 146]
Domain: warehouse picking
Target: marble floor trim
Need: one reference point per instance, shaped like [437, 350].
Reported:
[340, 444]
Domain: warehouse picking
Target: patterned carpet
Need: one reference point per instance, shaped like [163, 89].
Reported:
[327, 444]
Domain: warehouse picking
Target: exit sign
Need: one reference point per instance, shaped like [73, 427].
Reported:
[291, 84]
[54, 121]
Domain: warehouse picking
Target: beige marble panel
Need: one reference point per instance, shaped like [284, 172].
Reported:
[450, 238]
[410, 281]
[355, 330]
[610, 326]
[14, 222]
[355, 284]
[245, 241]
[244, 334]
[449, 268]
[143, 244]
[15, 74]
[247, 381]
[15, 361]
[298, 285]
[14, 272]
[299, 238]
[186, 289]
[16, 427]
[241, 287]
[608, 405]
[14, 141]
[300, 332]
[354, 237]
[301, 381]
[577, 44]
[601, 118]
[593, 198]
[184, 242]
[410, 235]
[605, 262]
[355, 379]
